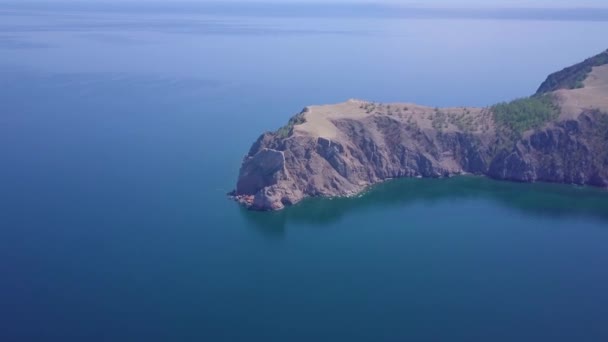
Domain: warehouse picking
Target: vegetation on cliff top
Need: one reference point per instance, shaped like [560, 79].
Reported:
[287, 130]
[572, 77]
[524, 114]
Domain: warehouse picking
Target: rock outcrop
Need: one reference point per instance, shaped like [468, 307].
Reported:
[341, 149]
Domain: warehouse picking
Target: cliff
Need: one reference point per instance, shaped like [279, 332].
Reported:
[558, 135]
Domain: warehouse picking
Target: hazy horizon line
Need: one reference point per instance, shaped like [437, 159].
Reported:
[466, 4]
[320, 10]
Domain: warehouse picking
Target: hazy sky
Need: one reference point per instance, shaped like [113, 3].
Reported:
[507, 3]
[425, 3]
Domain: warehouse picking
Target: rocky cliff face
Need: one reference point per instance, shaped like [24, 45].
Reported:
[339, 150]
[567, 151]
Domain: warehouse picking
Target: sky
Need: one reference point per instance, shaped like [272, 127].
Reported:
[426, 3]
[508, 3]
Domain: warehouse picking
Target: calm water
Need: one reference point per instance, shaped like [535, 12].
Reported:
[121, 132]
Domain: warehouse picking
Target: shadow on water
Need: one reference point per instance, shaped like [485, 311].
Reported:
[540, 199]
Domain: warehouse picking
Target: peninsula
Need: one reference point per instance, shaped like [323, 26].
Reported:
[559, 134]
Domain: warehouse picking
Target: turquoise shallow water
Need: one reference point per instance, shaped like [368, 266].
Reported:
[121, 133]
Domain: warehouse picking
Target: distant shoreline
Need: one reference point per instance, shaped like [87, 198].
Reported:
[588, 12]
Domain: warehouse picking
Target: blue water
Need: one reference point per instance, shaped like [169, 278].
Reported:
[121, 131]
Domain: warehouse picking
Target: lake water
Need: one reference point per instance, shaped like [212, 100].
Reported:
[122, 130]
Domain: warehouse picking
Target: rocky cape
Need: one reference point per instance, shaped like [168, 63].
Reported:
[560, 135]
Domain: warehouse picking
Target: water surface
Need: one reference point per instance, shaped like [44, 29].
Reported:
[121, 132]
